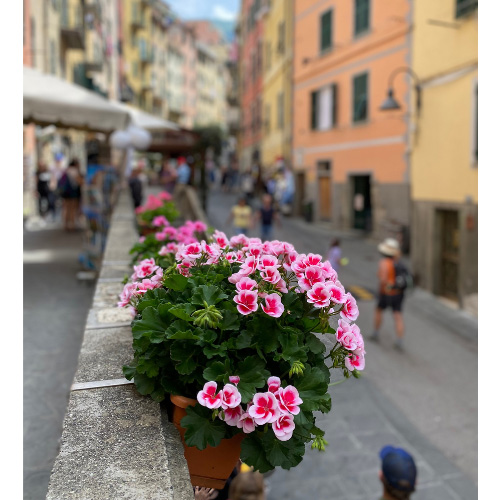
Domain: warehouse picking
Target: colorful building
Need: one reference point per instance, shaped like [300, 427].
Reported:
[277, 84]
[175, 72]
[250, 33]
[188, 48]
[444, 160]
[350, 158]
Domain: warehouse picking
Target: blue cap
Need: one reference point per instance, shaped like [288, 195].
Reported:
[399, 468]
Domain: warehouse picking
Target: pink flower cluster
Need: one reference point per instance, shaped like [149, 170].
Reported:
[350, 337]
[147, 276]
[153, 202]
[277, 406]
[184, 234]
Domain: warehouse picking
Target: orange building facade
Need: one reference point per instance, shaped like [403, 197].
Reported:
[350, 158]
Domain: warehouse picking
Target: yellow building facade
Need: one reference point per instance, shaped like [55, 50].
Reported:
[444, 152]
[277, 83]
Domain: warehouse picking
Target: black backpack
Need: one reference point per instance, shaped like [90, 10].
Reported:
[404, 279]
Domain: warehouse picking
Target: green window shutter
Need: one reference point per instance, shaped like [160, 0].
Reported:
[334, 104]
[362, 16]
[326, 31]
[314, 102]
[463, 7]
[360, 98]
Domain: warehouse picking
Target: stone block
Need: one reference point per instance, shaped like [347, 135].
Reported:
[108, 316]
[113, 448]
[103, 353]
[107, 294]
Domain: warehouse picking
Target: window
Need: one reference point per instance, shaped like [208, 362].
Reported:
[464, 7]
[281, 38]
[362, 16]
[360, 98]
[325, 42]
[280, 119]
[324, 108]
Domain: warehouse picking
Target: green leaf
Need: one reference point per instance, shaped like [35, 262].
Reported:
[285, 454]
[187, 335]
[183, 352]
[210, 294]
[291, 350]
[175, 282]
[215, 350]
[144, 384]
[129, 372]
[253, 453]
[314, 344]
[215, 371]
[230, 321]
[148, 367]
[183, 311]
[253, 375]
[243, 340]
[201, 430]
[151, 324]
[313, 390]
[293, 303]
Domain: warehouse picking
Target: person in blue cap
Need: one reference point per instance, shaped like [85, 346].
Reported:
[398, 474]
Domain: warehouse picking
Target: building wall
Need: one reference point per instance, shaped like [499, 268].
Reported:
[206, 68]
[278, 58]
[444, 170]
[377, 146]
[251, 33]
[190, 96]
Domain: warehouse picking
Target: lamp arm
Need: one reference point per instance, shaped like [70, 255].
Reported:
[418, 88]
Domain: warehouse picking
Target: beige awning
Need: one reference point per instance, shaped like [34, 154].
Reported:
[48, 100]
[146, 120]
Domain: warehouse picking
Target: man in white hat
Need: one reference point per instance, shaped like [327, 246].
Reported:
[389, 295]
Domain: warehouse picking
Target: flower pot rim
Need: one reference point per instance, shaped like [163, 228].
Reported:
[182, 401]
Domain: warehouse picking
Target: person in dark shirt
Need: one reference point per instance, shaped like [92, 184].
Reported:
[135, 185]
[267, 216]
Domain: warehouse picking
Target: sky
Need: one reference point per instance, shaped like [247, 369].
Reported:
[224, 10]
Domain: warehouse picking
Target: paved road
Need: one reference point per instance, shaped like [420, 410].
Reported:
[424, 399]
[55, 308]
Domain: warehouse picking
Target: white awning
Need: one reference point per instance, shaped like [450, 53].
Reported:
[48, 99]
[146, 120]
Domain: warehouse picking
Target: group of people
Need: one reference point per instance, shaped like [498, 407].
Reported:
[55, 184]
[398, 477]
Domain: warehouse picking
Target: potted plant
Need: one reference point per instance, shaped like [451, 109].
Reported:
[155, 206]
[234, 326]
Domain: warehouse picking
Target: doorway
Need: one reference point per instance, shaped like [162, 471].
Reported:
[361, 203]
[448, 258]
[324, 188]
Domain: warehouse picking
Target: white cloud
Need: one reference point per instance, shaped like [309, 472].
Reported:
[220, 12]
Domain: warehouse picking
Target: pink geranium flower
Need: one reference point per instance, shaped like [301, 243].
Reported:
[199, 226]
[221, 239]
[311, 276]
[246, 423]
[127, 294]
[283, 427]
[245, 284]
[247, 301]
[142, 239]
[265, 408]
[235, 278]
[350, 310]
[234, 379]
[281, 286]
[289, 399]
[232, 415]
[337, 294]
[318, 295]
[271, 275]
[355, 361]
[267, 261]
[159, 221]
[231, 397]
[273, 306]
[273, 383]
[163, 195]
[209, 396]
[144, 268]
[161, 236]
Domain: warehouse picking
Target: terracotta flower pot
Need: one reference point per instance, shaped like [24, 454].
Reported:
[210, 467]
[145, 230]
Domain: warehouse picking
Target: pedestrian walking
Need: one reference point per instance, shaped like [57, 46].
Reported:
[183, 171]
[335, 254]
[46, 198]
[398, 475]
[267, 216]
[390, 294]
[69, 187]
[241, 216]
[247, 185]
[168, 176]
[135, 185]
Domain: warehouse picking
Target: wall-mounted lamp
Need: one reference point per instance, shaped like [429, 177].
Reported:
[390, 103]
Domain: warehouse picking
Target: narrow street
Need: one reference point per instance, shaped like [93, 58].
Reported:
[55, 308]
[424, 399]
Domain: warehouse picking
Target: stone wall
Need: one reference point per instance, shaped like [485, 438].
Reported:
[115, 444]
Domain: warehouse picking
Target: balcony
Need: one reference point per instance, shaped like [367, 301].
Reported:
[145, 52]
[72, 31]
[138, 20]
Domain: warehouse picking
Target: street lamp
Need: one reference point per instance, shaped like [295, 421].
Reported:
[390, 103]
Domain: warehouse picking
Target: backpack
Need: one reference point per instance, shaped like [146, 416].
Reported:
[404, 279]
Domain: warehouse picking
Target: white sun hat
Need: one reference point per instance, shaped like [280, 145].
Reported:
[389, 247]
